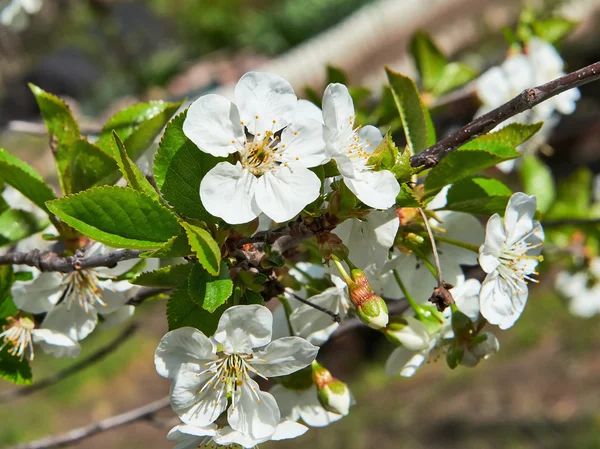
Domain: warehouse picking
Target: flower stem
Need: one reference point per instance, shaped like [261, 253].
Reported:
[436, 258]
[342, 271]
[464, 245]
[416, 307]
[288, 312]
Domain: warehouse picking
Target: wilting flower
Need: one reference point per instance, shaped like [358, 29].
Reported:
[274, 141]
[21, 334]
[73, 300]
[509, 255]
[351, 147]
[209, 371]
[213, 437]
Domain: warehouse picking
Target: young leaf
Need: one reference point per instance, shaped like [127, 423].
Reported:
[478, 195]
[179, 166]
[416, 120]
[182, 311]
[137, 125]
[336, 75]
[16, 224]
[553, 29]
[206, 248]
[118, 217]
[406, 197]
[455, 75]
[210, 292]
[479, 154]
[537, 180]
[132, 174]
[429, 59]
[171, 276]
[63, 131]
[25, 179]
[90, 166]
[176, 246]
[573, 196]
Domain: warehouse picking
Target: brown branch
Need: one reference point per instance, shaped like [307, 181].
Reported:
[145, 412]
[50, 261]
[147, 292]
[527, 99]
[73, 369]
[571, 222]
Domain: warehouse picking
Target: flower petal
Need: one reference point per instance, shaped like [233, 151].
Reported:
[377, 189]
[190, 437]
[304, 144]
[72, 320]
[404, 362]
[283, 192]
[55, 343]
[307, 109]
[466, 297]
[266, 102]
[242, 328]
[213, 124]
[114, 295]
[370, 137]
[227, 191]
[284, 356]
[464, 228]
[253, 412]
[183, 345]
[287, 430]
[39, 294]
[518, 217]
[500, 304]
[495, 239]
[194, 407]
[338, 107]
[117, 317]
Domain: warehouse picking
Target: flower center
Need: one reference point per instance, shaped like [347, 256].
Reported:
[354, 145]
[82, 288]
[515, 264]
[17, 333]
[260, 156]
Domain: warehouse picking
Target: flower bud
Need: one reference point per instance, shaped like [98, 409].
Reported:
[334, 395]
[370, 308]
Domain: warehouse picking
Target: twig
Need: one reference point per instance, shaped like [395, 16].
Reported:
[436, 257]
[74, 369]
[335, 316]
[137, 414]
[527, 99]
[50, 261]
[570, 222]
[147, 292]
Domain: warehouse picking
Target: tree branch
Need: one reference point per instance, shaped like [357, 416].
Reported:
[137, 414]
[571, 222]
[527, 99]
[74, 369]
[147, 292]
[50, 261]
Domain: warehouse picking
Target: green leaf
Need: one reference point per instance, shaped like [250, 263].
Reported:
[406, 197]
[138, 126]
[171, 276]
[206, 248]
[7, 307]
[90, 166]
[63, 131]
[179, 166]
[16, 224]
[252, 297]
[118, 217]
[182, 311]
[553, 29]
[537, 180]
[25, 179]
[132, 174]
[455, 75]
[208, 291]
[13, 369]
[478, 195]
[416, 120]
[573, 196]
[479, 154]
[336, 75]
[428, 58]
[176, 246]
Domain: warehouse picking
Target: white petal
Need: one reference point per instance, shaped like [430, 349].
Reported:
[464, 228]
[55, 343]
[227, 437]
[284, 356]
[492, 89]
[305, 405]
[499, 303]
[253, 412]
[99, 249]
[414, 336]
[183, 345]
[213, 124]
[466, 297]
[73, 321]
[306, 321]
[190, 436]
[287, 430]
[307, 109]
[39, 294]
[114, 295]
[242, 328]
[227, 191]
[283, 192]
[304, 144]
[268, 97]
[518, 218]
[404, 362]
[192, 406]
[495, 240]
[370, 137]
[377, 189]
[338, 107]
[117, 317]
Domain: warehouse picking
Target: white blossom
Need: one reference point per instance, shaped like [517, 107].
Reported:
[21, 334]
[274, 141]
[351, 148]
[72, 301]
[509, 256]
[303, 404]
[16, 13]
[582, 289]
[207, 371]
